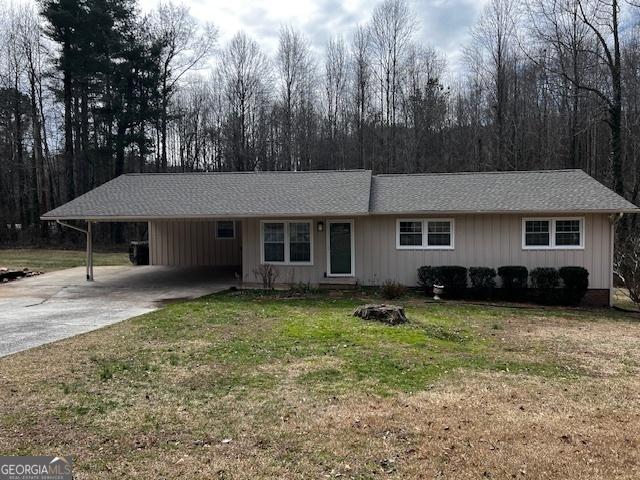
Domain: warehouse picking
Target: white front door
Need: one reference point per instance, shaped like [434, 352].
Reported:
[340, 248]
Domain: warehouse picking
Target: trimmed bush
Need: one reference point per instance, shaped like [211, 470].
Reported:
[427, 276]
[545, 278]
[545, 281]
[483, 282]
[514, 281]
[391, 290]
[452, 277]
[575, 281]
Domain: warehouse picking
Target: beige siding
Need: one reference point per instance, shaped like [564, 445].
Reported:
[287, 273]
[480, 240]
[189, 243]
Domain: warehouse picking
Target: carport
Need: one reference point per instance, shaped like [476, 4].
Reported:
[201, 242]
[188, 222]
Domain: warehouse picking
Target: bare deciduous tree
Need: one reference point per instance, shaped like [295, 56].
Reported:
[187, 44]
[294, 67]
[392, 28]
[246, 74]
[335, 87]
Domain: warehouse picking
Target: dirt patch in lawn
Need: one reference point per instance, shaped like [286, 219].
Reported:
[599, 348]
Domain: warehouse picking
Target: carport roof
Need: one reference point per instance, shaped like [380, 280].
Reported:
[141, 197]
[249, 194]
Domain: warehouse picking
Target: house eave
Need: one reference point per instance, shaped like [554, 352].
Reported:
[503, 212]
[146, 218]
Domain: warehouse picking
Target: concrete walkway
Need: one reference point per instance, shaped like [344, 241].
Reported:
[56, 305]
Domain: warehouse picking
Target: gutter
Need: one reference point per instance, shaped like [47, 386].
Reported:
[146, 218]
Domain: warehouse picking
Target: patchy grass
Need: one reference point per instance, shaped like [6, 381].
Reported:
[264, 386]
[47, 260]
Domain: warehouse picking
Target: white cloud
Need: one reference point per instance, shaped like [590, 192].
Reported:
[444, 23]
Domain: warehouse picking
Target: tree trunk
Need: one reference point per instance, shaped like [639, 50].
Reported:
[68, 126]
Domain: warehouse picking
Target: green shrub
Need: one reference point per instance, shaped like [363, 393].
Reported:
[427, 276]
[545, 282]
[391, 290]
[483, 281]
[514, 281]
[575, 281]
[545, 278]
[452, 277]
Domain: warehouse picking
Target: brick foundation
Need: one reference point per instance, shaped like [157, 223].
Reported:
[596, 297]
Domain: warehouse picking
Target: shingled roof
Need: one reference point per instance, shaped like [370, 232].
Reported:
[339, 193]
[494, 192]
[193, 195]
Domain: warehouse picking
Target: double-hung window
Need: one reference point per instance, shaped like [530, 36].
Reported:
[287, 242]
[552, 233]
[410, 233]
[416, 234]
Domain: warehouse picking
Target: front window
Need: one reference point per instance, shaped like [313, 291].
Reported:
[559, 233]
[420, 234]
[287, 242]
[537, 233]
[274, 242]
[568, 233]
[300, 242]
[411, 233]
[439, 234]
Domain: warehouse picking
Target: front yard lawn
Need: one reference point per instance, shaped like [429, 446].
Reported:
[244, 385]
[47, 260]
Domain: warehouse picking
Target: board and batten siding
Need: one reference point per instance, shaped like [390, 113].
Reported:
[481, 240]
[290, 274]
[191, 243]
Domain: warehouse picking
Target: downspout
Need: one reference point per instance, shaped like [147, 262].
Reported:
[89, 235]
[613, 220]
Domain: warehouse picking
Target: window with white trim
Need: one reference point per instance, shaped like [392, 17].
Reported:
[274, 242]
[552, 233]
[299, 242]
[416, 234]
[411, 233]
[226, 229]
[568, 233]
[537, 233]
[439, 234]
[287, 242]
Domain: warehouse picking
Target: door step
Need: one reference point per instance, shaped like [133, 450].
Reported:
[338, 282]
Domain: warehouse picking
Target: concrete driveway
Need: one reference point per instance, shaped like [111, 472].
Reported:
[56, 305]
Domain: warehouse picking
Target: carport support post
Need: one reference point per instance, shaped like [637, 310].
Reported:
[89, 253]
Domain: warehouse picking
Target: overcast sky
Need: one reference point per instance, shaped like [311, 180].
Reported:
[443, 23]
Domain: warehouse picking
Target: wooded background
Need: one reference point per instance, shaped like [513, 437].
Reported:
[91, 89]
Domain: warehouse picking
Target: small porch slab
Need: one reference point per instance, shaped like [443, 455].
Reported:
[338, 282]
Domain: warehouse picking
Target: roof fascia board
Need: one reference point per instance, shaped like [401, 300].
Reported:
[115, 218]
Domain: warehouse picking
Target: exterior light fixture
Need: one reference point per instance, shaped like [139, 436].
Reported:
[320, 226]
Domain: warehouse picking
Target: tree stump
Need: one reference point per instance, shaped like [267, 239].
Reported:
[389, 314]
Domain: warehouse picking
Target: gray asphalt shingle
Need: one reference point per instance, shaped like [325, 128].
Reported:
[340, 193]
[533, 191]
[225, 194]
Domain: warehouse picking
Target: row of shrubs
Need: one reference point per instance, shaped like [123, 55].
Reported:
[567, 285]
